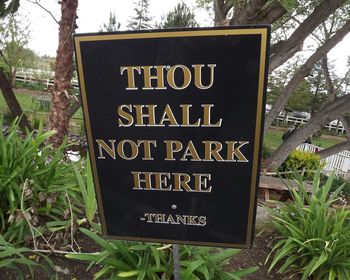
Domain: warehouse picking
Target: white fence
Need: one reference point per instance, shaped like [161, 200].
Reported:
[27, 78]
[339, 163]
[294, 120]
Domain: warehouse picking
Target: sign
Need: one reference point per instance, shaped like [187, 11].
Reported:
[174, 125]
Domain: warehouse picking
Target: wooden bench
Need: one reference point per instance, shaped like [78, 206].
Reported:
[268, 183]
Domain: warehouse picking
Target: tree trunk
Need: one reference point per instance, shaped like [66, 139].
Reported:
[335, 149]
[13, 78]
[284, 50]
[328, 113]
[63, 72]
[303, 72]
[12, 102]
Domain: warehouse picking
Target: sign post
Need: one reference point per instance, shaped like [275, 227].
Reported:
[174, 124]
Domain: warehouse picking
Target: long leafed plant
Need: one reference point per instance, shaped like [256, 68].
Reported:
[314, 236]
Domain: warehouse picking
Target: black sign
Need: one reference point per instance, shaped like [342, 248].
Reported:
[174, 124]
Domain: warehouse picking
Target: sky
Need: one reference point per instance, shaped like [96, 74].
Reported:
[44, 34]
[44, 30]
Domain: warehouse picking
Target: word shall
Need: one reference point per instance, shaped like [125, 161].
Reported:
[146, 115]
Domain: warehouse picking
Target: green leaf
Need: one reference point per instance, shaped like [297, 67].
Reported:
[191, 268]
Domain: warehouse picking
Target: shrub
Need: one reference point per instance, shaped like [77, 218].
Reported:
[314, 238]
[27, 158]
[146, 261]
[299, 160]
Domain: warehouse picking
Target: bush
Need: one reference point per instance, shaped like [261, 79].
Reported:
[34, 181]
[314, 239]
[146, 261]
[299, 160]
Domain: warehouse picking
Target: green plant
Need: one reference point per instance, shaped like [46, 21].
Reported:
[11, 257]
[146, 261]
[121, 260]
[87, 189]
[314, 236]
[26, 157]
[8, 117]
[338, 180]
[206, 263]
[300, 160]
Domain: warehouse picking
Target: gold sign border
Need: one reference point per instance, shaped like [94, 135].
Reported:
[261, 30]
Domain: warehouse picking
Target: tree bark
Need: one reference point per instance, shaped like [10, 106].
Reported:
[255, 13]
[219, 13]
[329, 83]
[303, 72]
[290, 46]
[328, 113]
[12, 102]
[335, 149]
[59, 120]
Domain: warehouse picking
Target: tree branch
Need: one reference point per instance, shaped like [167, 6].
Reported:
[335, 149]
[320, 14]
[329, 82]
[12, 102]
[42, 7]
[255, 13]
[72, 109]
[329, 112]
[303, 72]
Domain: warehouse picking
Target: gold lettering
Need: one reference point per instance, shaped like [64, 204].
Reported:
[198, 75]
[147, 148]
[232, 151]
[125, 116]
[207, 116]
[110, 150]
[201, 182]
[168, 116]
[140, 115]
[138, 180]
[161, 181]
[133, 146]
[172, 146]
[130, 75]
[186, 116]
[186, 74]
[158, 77]
[181, 180]
[190, 151]
[212, 151]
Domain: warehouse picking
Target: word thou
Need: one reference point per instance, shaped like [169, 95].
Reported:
[159, 76]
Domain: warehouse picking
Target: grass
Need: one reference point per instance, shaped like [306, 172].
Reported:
[24, 100]
[273, 139]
